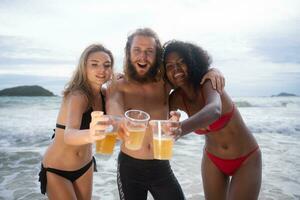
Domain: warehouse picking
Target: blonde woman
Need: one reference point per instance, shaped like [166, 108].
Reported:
[68, 165]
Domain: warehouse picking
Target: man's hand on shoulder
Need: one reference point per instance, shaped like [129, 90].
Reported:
[217, 79]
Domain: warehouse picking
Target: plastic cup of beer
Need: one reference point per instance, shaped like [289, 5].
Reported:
[136, 122]
[162, 140]
[95, 117]
[106, 146]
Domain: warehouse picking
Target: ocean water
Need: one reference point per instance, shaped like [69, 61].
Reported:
[26, 125]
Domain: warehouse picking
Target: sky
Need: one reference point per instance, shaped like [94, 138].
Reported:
[254, 43]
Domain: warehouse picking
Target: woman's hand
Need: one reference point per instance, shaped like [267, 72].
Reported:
[174, 127]
[98, 128]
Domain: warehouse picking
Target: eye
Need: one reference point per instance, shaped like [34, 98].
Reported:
[136, 51]
[180, 62]
[94, 64]
[170, 66]
[149, 52]
[107, 65]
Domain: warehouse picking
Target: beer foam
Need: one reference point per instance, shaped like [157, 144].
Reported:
[139, 129]
[109, 129]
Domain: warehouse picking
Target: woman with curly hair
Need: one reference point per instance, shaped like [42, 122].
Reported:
[231, 163]
[68, 165]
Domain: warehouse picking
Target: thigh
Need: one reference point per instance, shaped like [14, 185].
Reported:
[167, 188]
[246, 182]
[130, 188]
[215, 183]
[84, 184]
[59, 188]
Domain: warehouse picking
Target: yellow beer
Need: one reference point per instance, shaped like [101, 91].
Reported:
[163, 148]
[135, 139]
[106, 145]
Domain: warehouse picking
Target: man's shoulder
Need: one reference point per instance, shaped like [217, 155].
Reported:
[118, 85]
[122, 83]
[122, 80]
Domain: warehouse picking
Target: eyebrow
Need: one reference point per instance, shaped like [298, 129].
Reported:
[137, 47]
[177, 60]
[94, 60]
[99, 61]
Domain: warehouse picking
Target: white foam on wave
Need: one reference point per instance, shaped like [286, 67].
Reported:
[293, 102]
[281, 166]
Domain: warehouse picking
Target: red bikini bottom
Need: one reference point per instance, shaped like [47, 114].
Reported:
[229, 166]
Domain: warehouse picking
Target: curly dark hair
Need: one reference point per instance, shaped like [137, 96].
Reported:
[197, 60]
[155, 72]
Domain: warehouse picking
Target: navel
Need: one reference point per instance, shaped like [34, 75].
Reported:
[224, 146]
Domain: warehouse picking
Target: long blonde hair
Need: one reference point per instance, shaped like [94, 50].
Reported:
[78, 81]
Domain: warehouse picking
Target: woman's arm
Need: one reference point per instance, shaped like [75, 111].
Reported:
[77, 104]
[208, 114]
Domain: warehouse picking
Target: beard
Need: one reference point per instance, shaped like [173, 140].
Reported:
[149, 76]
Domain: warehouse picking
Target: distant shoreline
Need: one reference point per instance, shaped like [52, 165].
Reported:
[284, 94]
[26, 90]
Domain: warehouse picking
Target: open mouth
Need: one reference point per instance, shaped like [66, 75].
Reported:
[142, 65]
[179, 76]
[100, 77]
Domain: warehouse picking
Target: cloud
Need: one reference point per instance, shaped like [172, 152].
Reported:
[20, 50]
[280, 45]
[250, 41]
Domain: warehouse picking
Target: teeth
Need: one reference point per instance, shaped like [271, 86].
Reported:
[178, 75]
[142, 65]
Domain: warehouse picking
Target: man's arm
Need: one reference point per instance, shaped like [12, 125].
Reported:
[115, 99]
[217, 79]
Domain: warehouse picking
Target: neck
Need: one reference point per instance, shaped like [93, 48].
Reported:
[96, 89]
[189, 91]
[142, 83]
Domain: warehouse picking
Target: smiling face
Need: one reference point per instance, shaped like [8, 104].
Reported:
[98, 68]
[142, 54]
[176, 69]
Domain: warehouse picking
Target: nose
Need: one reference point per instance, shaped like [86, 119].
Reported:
[143, 56]
[101, 68]
[176, 67]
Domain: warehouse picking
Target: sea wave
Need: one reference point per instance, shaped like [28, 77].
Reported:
[267, 102]
[243, 104]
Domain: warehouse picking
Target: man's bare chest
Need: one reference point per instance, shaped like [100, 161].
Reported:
[142, 98]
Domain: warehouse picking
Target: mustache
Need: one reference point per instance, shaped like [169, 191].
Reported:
[149, 76]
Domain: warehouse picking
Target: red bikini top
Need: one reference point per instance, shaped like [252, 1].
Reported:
[216, 125]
